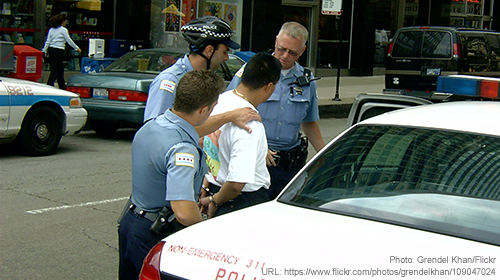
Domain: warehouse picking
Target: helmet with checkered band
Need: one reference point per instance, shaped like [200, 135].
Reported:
[208, 30]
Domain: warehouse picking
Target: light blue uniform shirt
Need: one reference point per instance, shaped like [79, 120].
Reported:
[287, 108]
[167, 163]
[163, 88]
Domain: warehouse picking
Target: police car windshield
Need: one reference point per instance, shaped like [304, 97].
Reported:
[443, 181]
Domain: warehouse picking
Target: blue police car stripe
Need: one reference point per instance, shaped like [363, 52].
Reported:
[4, 100]
[28, 100]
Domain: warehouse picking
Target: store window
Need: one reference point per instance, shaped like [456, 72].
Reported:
[471, 13]
[168, 16]
[87, 19]
[328, 41]
[17, 21]
[301, 15]
[228, 10]
[411, 12]
[176, 13]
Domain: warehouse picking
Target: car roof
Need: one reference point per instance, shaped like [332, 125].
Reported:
[446, 28]
[180, 51]
[163, 50]
[467, 116]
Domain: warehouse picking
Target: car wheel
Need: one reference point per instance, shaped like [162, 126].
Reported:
[41, 132]
[103, 127]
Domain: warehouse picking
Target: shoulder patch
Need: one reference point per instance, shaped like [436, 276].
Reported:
[184, 159]
[167, 85]
[240, 72]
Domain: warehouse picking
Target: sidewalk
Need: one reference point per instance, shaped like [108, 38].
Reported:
[349, 88]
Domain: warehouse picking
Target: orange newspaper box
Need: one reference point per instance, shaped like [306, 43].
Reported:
[28, 63]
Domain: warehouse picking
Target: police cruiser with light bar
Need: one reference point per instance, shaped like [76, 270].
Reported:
[409, 193]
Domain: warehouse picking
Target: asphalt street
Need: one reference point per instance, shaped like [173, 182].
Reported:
[59, 212]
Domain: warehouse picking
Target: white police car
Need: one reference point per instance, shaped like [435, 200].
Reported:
[36, 115]
[412, 193]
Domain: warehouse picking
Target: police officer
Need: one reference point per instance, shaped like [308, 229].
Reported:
[168, 167]
[209, 41]
[292, 106]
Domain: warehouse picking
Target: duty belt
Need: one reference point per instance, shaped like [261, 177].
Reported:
[295, 157]
[150, 216]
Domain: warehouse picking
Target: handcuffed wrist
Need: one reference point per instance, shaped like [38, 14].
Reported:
[211, 198]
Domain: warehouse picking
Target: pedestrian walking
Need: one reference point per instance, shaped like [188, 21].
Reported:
[54, 48]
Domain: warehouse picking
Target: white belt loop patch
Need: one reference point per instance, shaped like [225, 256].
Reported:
[167, 85]
[184, 159]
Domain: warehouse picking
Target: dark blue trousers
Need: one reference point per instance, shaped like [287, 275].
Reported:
[279, 179]
[134, 242]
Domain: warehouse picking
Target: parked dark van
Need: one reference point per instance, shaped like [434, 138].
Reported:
[418, 55]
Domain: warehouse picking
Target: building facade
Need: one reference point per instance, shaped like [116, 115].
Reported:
[357, 40]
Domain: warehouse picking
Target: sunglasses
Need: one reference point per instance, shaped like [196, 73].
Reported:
[285, 50]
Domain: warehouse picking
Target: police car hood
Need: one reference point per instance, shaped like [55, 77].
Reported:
[276, 241]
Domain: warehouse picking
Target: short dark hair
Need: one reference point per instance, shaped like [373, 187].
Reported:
[262, 69]
[196, 89]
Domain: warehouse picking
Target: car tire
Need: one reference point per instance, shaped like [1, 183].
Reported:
[41, 132]
[103, 127]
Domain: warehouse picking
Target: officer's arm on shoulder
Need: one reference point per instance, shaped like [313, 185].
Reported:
[186, 212]
[240, 117]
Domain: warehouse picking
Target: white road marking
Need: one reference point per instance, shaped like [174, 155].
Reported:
[40, 211]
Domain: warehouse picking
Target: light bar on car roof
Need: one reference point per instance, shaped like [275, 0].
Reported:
[474, 86]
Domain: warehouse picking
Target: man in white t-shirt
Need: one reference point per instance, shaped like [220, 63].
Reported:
[238, 174]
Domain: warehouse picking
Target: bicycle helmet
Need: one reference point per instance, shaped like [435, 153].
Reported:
[208, 30]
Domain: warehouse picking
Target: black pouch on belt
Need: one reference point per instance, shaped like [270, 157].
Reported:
[162, 221]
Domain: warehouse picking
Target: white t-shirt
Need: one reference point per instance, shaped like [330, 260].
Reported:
[242, 155]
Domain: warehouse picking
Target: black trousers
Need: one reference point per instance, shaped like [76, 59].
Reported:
[279, 179]
[245, 199]
[56, 68]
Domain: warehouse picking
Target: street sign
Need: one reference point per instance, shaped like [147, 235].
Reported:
[331, 7]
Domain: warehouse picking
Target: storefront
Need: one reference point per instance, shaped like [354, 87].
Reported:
[306, 13]
[26, 22]
[17, 22]
[255, 26]
[458, 13]
[367, 24]
[167, 17]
